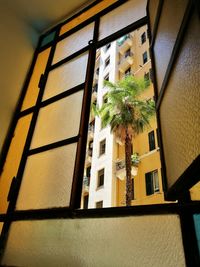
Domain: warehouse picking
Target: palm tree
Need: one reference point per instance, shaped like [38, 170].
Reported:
[127, 114]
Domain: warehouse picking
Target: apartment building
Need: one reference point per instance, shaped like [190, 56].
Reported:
[104, 182]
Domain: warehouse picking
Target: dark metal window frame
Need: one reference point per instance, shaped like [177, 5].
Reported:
[152, 141]
[184, 207]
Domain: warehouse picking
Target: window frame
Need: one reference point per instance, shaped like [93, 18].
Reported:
[66, 212]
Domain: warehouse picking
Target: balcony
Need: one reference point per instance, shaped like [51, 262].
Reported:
[125, 62]
[91, 130]
[121, 170]
[124, 43]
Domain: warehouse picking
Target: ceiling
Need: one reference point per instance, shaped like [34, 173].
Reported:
[43, 14]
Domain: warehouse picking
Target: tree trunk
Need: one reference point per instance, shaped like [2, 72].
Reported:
[128, 169]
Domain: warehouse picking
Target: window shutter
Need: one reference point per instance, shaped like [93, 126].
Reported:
[149, 186]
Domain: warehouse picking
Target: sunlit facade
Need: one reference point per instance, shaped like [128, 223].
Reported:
[105, 176]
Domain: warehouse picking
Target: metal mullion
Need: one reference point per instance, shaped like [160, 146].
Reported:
[160, 141]
[12, 203]
[57, 144]
[53, 99]
[83, 130]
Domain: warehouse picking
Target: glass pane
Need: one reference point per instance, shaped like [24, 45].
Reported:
[13, 160]
[169, 24]
[73, 43]
[86, 15]
[33, 89]
[79, 242]
[47, 179]
[121, 17]
[66, 76]
[109, 188]
[179, 111]
[197, 228]
[58, 121]
[47, 39]
[195, 192]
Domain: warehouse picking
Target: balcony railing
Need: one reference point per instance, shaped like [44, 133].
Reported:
[126, 57]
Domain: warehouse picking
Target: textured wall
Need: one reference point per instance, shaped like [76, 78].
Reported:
[142, 241]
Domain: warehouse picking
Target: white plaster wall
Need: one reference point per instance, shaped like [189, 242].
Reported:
[16, 50]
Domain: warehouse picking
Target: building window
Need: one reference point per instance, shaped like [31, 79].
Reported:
[95, 88]
[90, 147]
[85, 201]
[143, 38]
[100, 178]
[132, 189]
[145, 57]
[146, 76]
[99, 204]
[97, 71]
[106, 78]
[88, 171]
[107, 47]
[107, 62]
[102, 147]
[128, 72]
[152, 183]
[152, 144]
[127, 53]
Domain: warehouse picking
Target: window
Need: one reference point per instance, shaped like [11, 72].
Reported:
[99, 204]
[100, 178]
[88, 171]
[102, 147]
[145, 57]
[143, 38]
[132, 189]
[106, 78]
[152, 144]
[97, 71]
[146, 76]
[128, 72]
[107, 47]
[128, 53]
[85, 201]
[95, 87]
[107, 62]
[90, 147]
[152, 183]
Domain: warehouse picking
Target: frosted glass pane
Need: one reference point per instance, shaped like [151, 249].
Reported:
[121, 17]
[13, 159]
[47, 179]
[73, 43]
[86, 15]
[153, 6]
[197, 228]
[58, 121]
[140, 241]
[169, 24]
[66, 76]
[195, 192]
[47, 39]
[179, 111]
[33, 89]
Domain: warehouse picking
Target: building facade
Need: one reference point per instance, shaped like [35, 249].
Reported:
[105, 178]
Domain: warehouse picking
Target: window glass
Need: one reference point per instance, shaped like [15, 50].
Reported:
[121, 17]
[100, 178]
[102, 147]
[65, 77]
[73, 43]
[59, 120]
[152, 144]
[47, 179]
[145, 57]
[48, 38]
